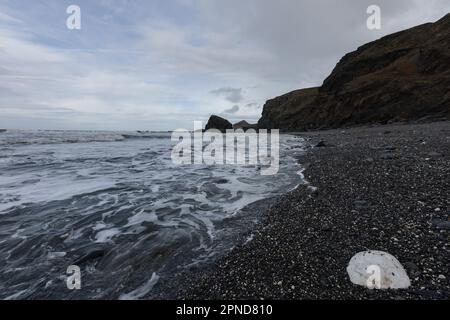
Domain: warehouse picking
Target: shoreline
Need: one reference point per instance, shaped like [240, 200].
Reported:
[378, 188]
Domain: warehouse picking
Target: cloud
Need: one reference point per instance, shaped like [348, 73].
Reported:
[232, 110]
[233, 95]
[6, 18]
[252, 105]
[162, 64]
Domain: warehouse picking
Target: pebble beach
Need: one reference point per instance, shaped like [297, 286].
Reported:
[369, 188]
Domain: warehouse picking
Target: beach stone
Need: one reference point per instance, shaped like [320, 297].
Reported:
[387, 156]
[313, 190]
[362, 271]
[321, 144]
[435, 155]
[441, 224]
[412, 268]
[361, 204]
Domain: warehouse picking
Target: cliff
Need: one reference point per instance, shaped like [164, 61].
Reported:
[402, 77]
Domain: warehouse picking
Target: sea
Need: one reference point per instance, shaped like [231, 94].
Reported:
[116, 206]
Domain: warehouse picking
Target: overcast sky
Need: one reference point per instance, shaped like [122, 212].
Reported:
[161, 64]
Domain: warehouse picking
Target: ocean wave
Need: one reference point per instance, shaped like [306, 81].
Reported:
[145, 136]
[69, 137]
[114, 206]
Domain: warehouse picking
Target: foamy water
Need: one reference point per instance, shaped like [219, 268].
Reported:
[115, 204]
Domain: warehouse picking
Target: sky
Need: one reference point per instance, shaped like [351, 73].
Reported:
[162, 64]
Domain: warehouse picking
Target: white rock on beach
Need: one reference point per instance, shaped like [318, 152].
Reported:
[377, 270]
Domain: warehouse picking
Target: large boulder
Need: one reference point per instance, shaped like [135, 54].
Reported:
[216, 122]
[377, 270]
[402, 77]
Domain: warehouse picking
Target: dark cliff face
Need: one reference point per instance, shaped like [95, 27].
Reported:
[290, 111]
[401, 77]
[218, 123]
[244, 125]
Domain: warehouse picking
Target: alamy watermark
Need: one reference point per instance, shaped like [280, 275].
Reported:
[374, 279]
[73, 22]
[234, 147]
[374, 19]
[73, 280]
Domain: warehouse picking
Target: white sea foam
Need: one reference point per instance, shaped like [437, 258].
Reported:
[124, 198]
[16, 296]
[106, 235]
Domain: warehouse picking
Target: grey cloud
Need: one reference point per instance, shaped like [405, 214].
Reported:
[233, 95]
[232, 110]
[266, 47]
[307, 38]
[252, 105]
[4, 71]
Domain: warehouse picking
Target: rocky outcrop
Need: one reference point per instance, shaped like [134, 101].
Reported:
[289, 112]
[244, 125]
[216, 122]
[402, 77]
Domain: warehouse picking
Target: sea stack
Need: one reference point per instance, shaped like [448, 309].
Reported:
[218, 123]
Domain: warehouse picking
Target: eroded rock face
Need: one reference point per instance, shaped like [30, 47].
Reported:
[377, 270]
[218, 123]
[290, 111]
[402, 77]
